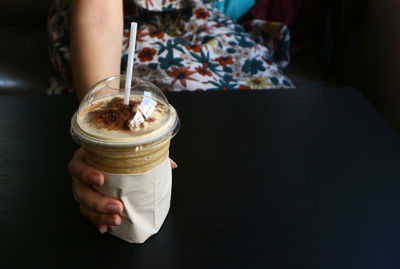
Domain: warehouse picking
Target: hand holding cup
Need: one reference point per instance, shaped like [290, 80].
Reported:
[99, 209]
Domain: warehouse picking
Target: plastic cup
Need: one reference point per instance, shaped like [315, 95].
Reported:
[130, 144]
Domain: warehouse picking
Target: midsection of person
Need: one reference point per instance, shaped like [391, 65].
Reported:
[181, 45]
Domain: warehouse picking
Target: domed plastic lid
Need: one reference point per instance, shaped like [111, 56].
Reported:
[104, 118]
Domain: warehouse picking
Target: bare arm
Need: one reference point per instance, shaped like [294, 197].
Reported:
[96, 41]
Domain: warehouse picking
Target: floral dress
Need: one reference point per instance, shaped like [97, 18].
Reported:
[185, 45]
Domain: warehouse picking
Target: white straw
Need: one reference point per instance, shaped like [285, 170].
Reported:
[129, 67]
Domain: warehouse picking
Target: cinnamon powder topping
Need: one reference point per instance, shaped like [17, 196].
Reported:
[115, 115]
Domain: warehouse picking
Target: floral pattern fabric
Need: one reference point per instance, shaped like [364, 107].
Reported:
[186, 45]
[167, 5]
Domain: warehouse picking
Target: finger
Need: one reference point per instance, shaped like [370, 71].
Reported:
[77, 168]
[100, 218]
[173, 164]
[79, 154]
[102, 228]
[86, 196]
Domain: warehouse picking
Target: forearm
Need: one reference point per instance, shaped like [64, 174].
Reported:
[96, 41]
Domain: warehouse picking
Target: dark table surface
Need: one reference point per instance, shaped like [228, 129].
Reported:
[269, 179]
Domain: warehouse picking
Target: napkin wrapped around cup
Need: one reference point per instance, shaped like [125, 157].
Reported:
[146, 198]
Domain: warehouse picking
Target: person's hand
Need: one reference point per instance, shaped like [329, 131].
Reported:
[101, 210]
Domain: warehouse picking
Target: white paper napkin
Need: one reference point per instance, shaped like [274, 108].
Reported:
[146, 198]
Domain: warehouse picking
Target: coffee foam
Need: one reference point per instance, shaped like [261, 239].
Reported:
[145, 119]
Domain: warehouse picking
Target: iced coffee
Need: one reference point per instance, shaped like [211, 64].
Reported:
[130, 144]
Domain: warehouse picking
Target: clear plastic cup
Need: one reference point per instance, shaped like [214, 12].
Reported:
[130, 144]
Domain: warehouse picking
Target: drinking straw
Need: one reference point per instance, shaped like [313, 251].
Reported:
[129, 67]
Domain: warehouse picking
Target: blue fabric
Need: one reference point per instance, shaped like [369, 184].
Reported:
[234, 8]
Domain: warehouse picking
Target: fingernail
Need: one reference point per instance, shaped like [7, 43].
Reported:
[101, 180]
[174, 165]
[102, 229]
[95, 179]
[113, 208]
[117, 221]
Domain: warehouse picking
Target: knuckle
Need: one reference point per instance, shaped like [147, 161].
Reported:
[77, 152]
[97, 206]
[76, 193]
[84, 175]
[100, 219]
[88, 214]
[81, 175]
[84, 212]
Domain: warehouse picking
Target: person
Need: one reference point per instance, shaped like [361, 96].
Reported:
[181, 45]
